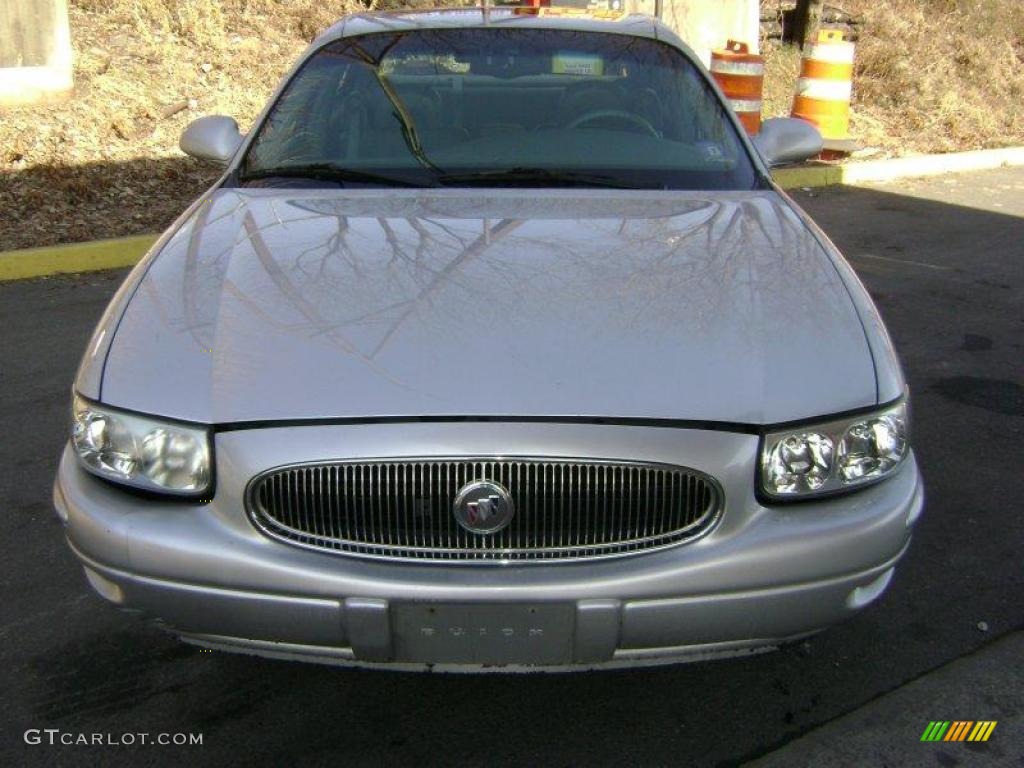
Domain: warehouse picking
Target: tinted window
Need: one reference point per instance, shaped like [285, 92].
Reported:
[441, 106]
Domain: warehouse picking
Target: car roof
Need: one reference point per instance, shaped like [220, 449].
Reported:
[639, 25]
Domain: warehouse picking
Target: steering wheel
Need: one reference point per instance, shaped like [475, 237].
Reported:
[629, 117]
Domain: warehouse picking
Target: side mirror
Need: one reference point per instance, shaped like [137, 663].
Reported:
[214, 138]
[787, 140]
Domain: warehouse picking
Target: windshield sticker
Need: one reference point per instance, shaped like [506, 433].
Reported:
[583, 64]
[711, 150]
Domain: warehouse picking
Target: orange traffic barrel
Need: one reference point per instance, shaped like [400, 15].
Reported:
[740, 75]
[825, 85]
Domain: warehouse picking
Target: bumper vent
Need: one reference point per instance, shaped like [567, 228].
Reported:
[564, 509]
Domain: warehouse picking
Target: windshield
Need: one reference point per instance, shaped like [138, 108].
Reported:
[523, 107]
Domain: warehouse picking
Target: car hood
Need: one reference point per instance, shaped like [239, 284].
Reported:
[271, 304]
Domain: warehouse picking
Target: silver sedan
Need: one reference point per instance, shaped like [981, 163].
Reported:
[494, 347]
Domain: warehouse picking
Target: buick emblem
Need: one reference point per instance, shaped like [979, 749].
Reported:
[483, 506]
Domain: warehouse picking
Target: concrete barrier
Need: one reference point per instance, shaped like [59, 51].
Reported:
[35, 50]
[705, 26]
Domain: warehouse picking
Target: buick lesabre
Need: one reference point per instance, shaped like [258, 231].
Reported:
[494, 347]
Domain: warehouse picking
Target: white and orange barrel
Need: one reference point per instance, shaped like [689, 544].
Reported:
[740, 75]
[825, 85]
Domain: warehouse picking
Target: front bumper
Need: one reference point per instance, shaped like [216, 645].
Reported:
[762, 576]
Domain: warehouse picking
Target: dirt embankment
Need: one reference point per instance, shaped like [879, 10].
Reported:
[931, 75]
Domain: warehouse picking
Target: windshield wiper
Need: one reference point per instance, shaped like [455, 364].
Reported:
[332, 172]
[542, 176]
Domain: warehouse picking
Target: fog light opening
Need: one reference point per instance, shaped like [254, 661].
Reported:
[106, 589]
[60, 506]
[916, 507]
[861, 596]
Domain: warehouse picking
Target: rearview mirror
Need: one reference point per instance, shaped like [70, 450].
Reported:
[214, 138]
[787, 140]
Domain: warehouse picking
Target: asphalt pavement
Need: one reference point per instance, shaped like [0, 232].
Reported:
[876, 734]
[944, 259]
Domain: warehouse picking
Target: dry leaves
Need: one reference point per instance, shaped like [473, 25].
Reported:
[932, 75]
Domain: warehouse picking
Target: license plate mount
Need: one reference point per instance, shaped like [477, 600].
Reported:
[465, 633]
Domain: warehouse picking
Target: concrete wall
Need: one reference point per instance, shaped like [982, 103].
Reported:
[35, 50]
[707, 24]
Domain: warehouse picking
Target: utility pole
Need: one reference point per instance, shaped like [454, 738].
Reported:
[806, 20]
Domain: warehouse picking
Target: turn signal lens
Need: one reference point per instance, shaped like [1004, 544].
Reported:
[105, 444]
[834, 456]
[141, 451]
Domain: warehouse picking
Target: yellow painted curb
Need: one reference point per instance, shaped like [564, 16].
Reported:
[808, 176]
[126, 251]
[897, 168]
[77, 257]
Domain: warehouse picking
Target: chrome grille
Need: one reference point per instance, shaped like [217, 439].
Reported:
[566, 509]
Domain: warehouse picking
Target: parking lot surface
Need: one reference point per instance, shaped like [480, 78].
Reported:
[944, 259]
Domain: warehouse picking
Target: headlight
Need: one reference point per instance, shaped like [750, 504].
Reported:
[834, 456]
[141, 451]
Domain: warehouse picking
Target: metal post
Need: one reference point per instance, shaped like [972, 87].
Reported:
[806, 19]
